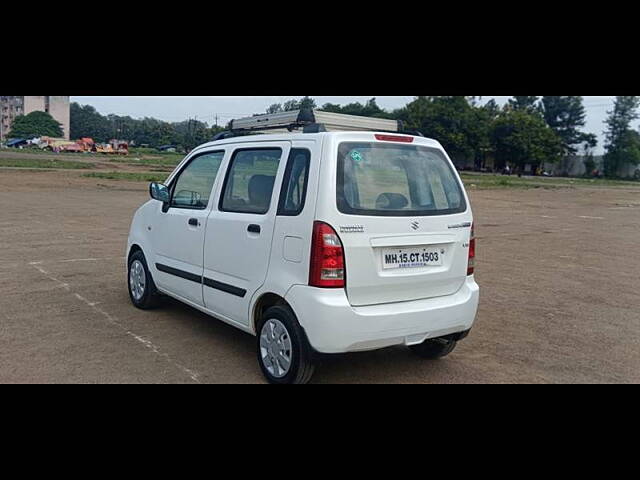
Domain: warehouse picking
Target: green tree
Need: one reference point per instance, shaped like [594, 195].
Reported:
[190, 134]
[331, 107]
[275, 108]
[35, 124]
[621, 142]
[589, 162]
[450, 120]
[492, 108]
[565, 115]
[483, 118]
[475, 101]
[147, 131]
[305, 102]
[527, 104]
[521, 138]
[85, 121]
[625, 152]
[163, 133]
[369, 109]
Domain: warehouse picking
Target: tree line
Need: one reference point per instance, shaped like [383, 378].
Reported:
[526, 130]
[87, 122]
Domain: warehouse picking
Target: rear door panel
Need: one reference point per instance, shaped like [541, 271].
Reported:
[238, 246]
[365, 238]
[368, 283]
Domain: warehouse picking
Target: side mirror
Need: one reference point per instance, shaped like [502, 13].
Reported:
[159, 191]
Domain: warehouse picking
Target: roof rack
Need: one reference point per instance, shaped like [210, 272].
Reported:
[310, 121]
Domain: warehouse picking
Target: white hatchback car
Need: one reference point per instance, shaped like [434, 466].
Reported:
[335, 241]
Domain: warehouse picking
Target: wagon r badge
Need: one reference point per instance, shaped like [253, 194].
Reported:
[351, 228]
[415, 225]
[460, 225]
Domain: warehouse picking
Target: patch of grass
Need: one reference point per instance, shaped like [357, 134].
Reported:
[129, 176]
[490, 181]
[150, 161]
[29, 150]
[149, 151]
[43, 163]
[484, 181]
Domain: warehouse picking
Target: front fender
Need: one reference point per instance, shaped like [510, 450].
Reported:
[141, 230]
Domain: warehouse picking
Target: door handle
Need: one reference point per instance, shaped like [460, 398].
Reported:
[193, 222]
[253, 228]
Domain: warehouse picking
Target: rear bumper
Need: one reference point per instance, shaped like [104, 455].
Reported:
[334, 326]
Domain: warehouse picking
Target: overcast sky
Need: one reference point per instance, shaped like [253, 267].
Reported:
[206, 109]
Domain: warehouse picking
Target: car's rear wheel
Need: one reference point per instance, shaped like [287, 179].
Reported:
[433, 348]
[142, 289]
[284, 354]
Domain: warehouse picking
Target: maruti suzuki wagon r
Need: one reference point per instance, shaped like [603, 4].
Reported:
[325, 242]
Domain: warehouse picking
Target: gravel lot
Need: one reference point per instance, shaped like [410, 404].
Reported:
[558, 272]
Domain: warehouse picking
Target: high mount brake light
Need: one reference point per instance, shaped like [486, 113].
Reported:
[472, 252]
[394, 138]
[326, 267]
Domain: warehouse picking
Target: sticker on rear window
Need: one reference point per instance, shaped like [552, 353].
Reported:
[356, 156]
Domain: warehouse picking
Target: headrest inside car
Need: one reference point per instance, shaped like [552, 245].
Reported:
[391, 201]
[260, 189]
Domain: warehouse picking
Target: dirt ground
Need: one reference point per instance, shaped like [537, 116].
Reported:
[558, 271]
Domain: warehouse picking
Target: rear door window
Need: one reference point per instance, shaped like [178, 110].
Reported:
[396, 180]
[249, 182]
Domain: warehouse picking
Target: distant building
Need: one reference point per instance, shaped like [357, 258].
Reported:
[11, 107]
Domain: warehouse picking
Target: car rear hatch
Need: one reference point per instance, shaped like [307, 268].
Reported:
[403, 219]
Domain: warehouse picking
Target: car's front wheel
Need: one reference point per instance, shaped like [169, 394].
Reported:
[142, 289]
[284, 354]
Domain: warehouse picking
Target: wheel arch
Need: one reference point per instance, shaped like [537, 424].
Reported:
[265, 301]
[133, 249]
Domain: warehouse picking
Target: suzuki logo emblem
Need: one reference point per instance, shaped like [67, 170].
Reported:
[415, 225]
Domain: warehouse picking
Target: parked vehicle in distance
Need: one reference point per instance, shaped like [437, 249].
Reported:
[345, 235]
[167, 148]
[16, 143]
[113, 147]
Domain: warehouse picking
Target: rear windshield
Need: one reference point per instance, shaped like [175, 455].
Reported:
[396, 180]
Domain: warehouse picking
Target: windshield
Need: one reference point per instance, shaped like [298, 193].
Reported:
[396, 180]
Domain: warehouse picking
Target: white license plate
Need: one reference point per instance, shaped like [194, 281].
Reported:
[412, 257]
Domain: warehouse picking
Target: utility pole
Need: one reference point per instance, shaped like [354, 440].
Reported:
[187, 137]
[1, 118]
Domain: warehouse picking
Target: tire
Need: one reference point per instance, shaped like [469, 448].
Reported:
[278, 329]
[142, 290]
[434, 348]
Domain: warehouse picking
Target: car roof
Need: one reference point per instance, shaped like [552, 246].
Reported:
[276, 137]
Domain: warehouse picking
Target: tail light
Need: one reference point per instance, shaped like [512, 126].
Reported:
[327, 258]
[472, 252]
